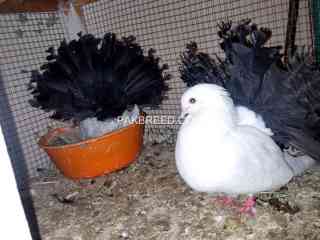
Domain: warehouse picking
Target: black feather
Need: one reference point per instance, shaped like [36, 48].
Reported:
[92, 77]
[286, 96]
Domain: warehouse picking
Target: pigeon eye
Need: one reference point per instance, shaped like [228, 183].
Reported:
[192, 100]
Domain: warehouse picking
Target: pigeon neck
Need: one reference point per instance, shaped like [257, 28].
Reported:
[222, 120]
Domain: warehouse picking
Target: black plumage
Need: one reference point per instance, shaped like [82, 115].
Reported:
[92, 77]
[287, 96]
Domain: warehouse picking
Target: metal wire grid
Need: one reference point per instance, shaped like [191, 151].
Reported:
[316, 27]
[23, 41]
[164, 25]
[169, 24]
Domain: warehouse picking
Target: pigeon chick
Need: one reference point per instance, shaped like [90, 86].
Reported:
[217, 153]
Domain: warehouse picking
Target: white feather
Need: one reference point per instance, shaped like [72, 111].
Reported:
[72, 21]
[92, 127]
[249, 117]
[299, 164]
[215, 153]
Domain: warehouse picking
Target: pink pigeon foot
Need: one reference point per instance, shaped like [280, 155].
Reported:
[248, 207]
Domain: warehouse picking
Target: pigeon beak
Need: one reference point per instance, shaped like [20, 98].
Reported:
[183, 115]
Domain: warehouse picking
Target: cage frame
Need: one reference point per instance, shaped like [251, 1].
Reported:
[85, 10]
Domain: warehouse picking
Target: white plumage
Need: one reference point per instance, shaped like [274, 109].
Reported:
[227, 149]
[92, 127]
[72, 21]
[248, 117]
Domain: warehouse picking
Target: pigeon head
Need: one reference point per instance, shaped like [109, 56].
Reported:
[205, 97]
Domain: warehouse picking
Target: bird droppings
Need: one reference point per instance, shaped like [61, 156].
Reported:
[124, 235]
[148, 200]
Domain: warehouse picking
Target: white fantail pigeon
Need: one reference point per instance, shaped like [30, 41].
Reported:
[223, 149]
[280, 99]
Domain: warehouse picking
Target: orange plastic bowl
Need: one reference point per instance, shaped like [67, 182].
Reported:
[97, 156]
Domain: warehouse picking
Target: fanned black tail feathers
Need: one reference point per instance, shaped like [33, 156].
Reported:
[198, 67]
[286, 96]
[92, 77]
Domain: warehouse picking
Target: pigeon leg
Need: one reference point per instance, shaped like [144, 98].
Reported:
[248, 206]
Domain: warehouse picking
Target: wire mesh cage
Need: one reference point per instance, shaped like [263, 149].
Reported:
[166, 26]
[23, 39]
